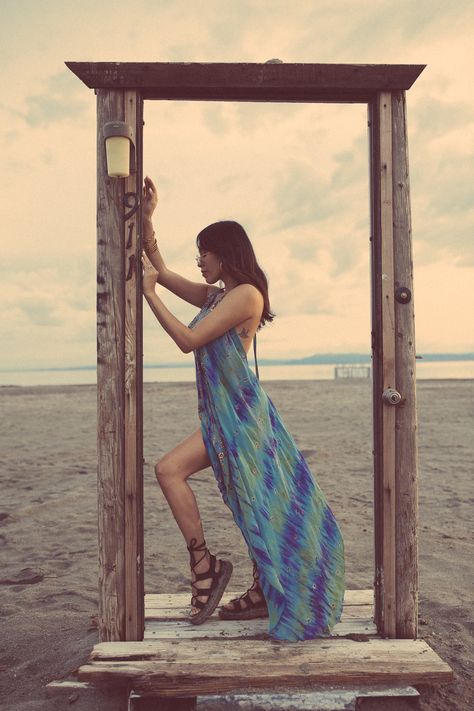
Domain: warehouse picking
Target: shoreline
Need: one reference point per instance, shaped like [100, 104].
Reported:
[338, 381]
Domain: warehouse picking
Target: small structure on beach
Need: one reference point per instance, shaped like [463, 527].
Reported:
[146, 644]
[351, 371]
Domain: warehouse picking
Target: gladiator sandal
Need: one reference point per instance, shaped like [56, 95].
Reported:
[219, 580]
[244, 607]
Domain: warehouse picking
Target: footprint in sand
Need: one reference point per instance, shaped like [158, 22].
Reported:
[26, 576]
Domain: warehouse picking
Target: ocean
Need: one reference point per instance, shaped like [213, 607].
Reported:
[429, 370]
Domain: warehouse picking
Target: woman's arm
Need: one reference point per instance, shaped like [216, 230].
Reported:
[242, 302]
[193, 292]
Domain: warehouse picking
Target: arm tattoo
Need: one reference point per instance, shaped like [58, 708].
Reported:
[244, 333]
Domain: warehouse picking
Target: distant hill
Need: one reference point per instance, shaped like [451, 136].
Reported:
[351, 358]
[315, 359]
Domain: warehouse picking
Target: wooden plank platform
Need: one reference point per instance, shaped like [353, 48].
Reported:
[166, 618]
[177, 658]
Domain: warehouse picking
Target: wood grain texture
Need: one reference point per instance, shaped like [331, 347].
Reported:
[358, 605]
[157, 601]
[241, 629]
[249, 81]
[110, 376]
[377, 353]
[133, 415]
[388, 366]
[171, 668]
[405, 413]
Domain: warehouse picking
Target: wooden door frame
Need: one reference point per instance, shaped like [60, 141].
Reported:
[121, 89]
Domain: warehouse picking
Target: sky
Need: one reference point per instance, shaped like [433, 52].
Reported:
[295, 175]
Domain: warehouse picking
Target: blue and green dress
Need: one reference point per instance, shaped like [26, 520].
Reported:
[289, 529]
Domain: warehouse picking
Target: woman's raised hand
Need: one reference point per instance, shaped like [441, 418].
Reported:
[149, 276]
[150, 198]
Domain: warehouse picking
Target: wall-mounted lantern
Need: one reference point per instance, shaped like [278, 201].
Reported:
[119, 149]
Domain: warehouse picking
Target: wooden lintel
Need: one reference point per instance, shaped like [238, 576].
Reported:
[249, 81]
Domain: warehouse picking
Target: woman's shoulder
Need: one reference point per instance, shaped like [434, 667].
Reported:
[249, 292]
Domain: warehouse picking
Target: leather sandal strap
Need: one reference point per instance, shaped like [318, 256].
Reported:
[249, 603]
[197, 603]
[211, 572]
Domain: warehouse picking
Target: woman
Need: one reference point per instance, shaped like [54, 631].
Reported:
[290, 531]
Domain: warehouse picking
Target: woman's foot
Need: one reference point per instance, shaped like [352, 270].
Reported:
[209, 580]
[250, 605]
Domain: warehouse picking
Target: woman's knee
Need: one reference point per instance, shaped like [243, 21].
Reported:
[164, 470]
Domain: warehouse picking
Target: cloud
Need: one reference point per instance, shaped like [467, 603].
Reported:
[295, 175]
[215, 118]
[41, 312]
[62, 99]
[300, 196]
[436, 117]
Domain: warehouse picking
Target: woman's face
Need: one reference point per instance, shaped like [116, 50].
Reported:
[210, 266]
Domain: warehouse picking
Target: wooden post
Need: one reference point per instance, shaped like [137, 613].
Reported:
[384, 363]
[395, 516]
[406, 421]
[119, 351]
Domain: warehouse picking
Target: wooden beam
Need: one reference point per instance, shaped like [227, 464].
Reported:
[383, 355]
[119, 384]
[405, 413]
[133, 430]
[190, 668]
[249, 82]
[388, 365]
[110, 378]
[376, 318]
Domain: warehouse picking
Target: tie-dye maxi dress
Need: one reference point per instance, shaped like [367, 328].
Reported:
[264, 479]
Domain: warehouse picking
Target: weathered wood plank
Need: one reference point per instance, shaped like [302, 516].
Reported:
[133, 467]
[388, 366]
[177, 600]
[171, 667]
[350, 612]
[406, 419]
[377, 353]
[240, 629]
[249, 81]
[110, 376]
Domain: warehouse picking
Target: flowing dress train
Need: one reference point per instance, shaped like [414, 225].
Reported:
[289, 529]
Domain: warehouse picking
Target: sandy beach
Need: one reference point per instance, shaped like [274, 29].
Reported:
[48, 537]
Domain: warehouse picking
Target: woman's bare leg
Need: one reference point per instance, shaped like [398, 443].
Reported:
[172, 472]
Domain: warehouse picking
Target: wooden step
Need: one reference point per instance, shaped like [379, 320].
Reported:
[177, 658]
[211, 666]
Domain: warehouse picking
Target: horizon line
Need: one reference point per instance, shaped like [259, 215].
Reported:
[326, 359]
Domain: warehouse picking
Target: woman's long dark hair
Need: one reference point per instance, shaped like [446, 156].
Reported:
[230, 242]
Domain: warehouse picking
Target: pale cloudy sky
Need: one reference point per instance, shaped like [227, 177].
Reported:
[294, 175]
